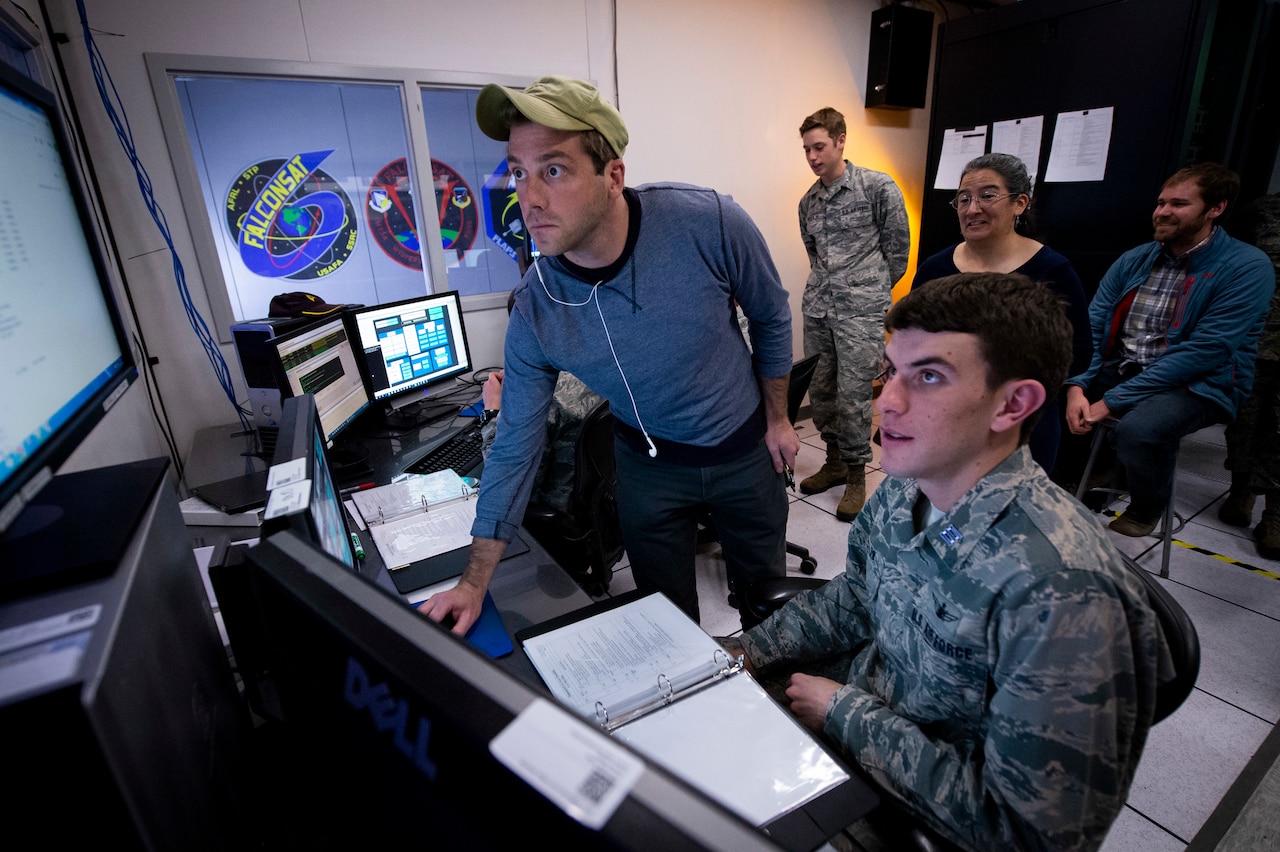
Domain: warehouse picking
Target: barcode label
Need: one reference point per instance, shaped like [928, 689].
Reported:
[596, 785]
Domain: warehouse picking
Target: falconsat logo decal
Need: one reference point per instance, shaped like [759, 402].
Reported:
[290, 219]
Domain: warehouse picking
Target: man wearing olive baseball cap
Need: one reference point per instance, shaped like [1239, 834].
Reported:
[634, 291]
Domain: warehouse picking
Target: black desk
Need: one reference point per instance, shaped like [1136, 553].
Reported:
[528, 588]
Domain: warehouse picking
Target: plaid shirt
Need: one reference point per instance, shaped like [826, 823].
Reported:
[1143, 337]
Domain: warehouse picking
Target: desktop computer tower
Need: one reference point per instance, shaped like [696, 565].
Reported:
[253, 347]
[120, 722]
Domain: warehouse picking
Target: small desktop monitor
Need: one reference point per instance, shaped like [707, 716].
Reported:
[319, 360]
[63, 351]
[312, 507]
[412, 346]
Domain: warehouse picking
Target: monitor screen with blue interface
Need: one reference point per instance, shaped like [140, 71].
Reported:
[319, 516]
[320, 360]
[412, 344]
[329, 528]
[62, 347]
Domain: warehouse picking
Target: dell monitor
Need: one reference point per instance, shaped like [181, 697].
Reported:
[319, 360]
[412, 347]
[63, 350]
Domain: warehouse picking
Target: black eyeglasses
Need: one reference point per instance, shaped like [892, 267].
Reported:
[984, 199]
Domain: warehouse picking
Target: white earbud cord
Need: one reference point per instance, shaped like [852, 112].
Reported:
[653, 451]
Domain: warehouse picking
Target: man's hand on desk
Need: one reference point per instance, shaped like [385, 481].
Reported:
[459, 606]
[462, 603]
[810, 697]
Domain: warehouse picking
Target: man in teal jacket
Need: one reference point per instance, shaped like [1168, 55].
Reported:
[1175, 332]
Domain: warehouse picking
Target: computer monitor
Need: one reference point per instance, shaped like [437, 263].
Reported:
[389, 722]
[319, 360]
[63, 350]
[311, 506]
[412, 345]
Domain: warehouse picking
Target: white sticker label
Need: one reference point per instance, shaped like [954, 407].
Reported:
[286, 473]
[288, 499]
[43, 665]
[577, 767]
[61, 624]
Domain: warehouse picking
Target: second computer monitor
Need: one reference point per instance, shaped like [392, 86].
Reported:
[320, 360]
[412, 344]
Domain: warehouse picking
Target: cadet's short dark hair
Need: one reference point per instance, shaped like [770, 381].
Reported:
[1021, 325]
[828, 119]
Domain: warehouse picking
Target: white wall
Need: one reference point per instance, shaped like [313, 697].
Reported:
[712, 90]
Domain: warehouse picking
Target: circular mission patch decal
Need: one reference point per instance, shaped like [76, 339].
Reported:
[290, 219]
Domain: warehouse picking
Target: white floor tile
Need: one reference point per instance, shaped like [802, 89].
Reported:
[1238, 663]
[1190, 761]
[1131, 832]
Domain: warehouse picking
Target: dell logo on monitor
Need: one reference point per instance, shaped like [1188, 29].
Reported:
[390, 713]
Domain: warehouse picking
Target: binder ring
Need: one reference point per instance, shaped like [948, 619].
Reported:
[602, 714]
[664, 687]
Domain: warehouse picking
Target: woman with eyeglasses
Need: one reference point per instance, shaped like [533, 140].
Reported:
[992, 205]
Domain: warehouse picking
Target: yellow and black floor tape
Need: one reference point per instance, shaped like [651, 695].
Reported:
[1265, 572]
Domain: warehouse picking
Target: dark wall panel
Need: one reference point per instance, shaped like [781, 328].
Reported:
[1043, 57]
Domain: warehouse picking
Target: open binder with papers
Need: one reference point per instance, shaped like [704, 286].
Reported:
[650, 676]
[418, 518]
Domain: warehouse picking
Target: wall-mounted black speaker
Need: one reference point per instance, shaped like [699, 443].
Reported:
[898, 61]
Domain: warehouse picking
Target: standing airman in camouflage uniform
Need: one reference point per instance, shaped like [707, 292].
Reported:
[1253, 438]
[854, 226]
[1000, 662]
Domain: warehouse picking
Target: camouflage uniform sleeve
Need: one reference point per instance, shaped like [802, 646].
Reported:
[895, 229]
[488, 432]
[1050, 773]
[810, 244]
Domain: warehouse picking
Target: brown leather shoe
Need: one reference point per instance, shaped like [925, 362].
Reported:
[855, 495]
[832, 473]
[1133, 525]
[1237, 509]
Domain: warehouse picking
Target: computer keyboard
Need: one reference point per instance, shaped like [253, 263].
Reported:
[461, 452]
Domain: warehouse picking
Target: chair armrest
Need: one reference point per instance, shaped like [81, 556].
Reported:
[768, 595]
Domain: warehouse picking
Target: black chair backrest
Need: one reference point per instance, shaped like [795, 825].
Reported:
[801, 375]
[1181, 637]
[594, 500]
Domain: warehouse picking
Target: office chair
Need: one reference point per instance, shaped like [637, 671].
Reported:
[1181, 637]
[586, 540]
[1170, 523]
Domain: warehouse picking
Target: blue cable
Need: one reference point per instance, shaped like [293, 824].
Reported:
[120, 121]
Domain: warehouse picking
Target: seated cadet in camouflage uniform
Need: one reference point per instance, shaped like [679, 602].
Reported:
[997, 663]
[573, 401]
